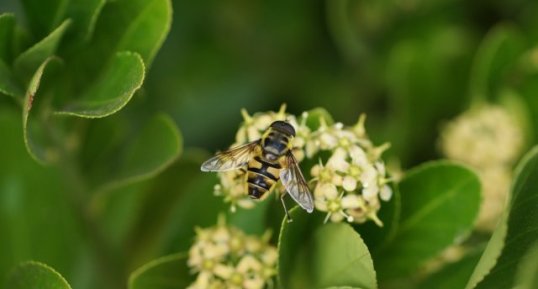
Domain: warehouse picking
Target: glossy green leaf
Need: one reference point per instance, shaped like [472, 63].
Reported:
[134, 25]
[439, 202]
[35, 275]
[7, 28]
[169, 272]
[527, 273]
[112, 90]
[315, 255]
[8, 84]
[154, 148]
[500, 50]
[43, 16]
[521, 227]
[28, 62]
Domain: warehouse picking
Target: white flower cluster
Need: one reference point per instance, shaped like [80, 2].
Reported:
[483, 137]
[348, 186]
[224, 257]
[489, 139]
[353, 180]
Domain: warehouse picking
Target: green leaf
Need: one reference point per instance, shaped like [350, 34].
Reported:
[167, 272]
[528, 91]
[134, 25]
[43, 16]
[491, 253]
[417, 70]
[112, 90]
[515, 105]
[34, 207]
[439, 202]
[293, 249]
[313, 255]
[341, 258]
[117, 174]
[527, 273]
[35, 275]
[28, 62]
[188, 203]
[84, 14]
[8, 83]
[500, 50]
[7, 28]
[520, 225]
[153, 149]
[38, 144]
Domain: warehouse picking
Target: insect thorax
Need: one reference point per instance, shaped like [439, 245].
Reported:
[275, 144]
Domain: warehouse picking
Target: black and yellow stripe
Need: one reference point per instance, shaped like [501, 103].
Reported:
[261, 176]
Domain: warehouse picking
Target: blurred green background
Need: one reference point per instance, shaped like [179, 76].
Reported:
[407, 64]
[410, 65]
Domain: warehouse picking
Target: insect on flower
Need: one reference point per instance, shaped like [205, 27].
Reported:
[264, 162]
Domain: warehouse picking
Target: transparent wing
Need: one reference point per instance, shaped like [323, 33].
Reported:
[231, 159]
[295, 184]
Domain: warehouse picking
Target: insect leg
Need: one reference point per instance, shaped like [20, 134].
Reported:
[288, 218]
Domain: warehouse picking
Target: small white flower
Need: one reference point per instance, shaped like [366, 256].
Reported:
[326, 190]
[369, 182]
[328, 200]
[386, 193]
[352, 202]
[349, 183]
[358, 155]
[338, 160]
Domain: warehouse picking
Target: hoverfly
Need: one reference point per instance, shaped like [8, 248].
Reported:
[266, 161]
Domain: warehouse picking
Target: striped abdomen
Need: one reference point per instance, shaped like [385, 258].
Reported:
[261, 176]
